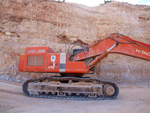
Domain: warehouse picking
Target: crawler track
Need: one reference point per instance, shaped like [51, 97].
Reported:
[73, 92]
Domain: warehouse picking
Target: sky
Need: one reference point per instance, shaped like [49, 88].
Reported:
[92, 3]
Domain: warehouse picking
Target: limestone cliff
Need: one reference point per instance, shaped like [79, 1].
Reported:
[25, 23]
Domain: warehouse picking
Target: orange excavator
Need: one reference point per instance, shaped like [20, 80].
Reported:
[79, 60]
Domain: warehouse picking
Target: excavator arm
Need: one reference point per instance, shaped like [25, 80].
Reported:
[124, 45]
[115, 43]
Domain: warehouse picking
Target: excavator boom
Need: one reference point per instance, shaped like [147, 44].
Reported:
[125, 45]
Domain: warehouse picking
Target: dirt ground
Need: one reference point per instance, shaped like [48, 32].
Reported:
[130, 100]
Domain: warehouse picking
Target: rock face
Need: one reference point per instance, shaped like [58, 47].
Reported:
[25, 23]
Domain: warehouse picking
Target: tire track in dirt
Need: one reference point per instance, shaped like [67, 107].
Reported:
[11, 92]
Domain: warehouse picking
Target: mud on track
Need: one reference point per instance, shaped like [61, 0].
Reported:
[130, 99]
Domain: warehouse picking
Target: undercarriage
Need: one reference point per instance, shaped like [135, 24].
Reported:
[76, 88]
